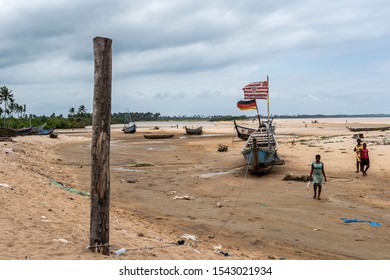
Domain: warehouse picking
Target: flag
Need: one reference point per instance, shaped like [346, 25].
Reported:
[256, 90]
[247, 104]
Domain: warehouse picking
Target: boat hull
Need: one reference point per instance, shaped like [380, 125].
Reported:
[193, 131]
[130, 129]
[243, 132]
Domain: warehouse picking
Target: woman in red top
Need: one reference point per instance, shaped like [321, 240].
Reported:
[365, 160]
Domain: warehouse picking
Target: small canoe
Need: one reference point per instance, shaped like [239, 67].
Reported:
[357, 129]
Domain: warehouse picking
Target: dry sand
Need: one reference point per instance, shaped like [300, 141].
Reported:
[164, 191]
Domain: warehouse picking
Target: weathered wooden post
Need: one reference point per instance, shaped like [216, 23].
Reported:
[100, 152]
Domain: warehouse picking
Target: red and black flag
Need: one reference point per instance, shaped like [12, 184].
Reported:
[247, 104]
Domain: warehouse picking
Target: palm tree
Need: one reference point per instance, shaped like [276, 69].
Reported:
[71, 111]
[6, 96]
[82, 111]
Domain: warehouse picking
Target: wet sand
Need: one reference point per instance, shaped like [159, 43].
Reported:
[182, 188]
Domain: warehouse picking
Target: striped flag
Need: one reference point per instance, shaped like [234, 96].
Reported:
[247, 104]
[256, 90]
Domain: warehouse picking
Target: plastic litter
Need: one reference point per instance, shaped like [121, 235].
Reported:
[120, 251]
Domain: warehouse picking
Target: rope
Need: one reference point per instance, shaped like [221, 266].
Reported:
[235, 203]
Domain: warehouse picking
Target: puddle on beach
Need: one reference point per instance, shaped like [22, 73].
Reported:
[125, 169]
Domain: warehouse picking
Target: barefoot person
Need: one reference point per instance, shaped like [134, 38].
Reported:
[365, 160]
[317, 174]
[357, 150]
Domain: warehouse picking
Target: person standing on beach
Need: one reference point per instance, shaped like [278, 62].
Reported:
[317, 175]
[357, 150]
[365, 160]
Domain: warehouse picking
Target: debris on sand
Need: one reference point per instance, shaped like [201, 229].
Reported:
[302, 178]
[222, 148]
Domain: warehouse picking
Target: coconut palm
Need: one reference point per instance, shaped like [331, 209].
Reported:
[6, 96]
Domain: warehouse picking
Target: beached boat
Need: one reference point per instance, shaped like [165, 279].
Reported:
[36, 129]
[45, 131]
[158, 136]
[193, 131]
[23, 131]
[357, 129]
[260, 149]
[242, 131]
[130, 128]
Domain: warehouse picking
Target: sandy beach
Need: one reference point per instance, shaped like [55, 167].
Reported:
[182, 189]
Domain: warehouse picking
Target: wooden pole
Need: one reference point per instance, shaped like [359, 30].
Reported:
[100, 152]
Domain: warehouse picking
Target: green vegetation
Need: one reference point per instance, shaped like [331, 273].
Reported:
[14, 116]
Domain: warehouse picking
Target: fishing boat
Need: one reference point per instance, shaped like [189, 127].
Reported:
[242, 131]
[35, 129]
[193, 131]
[260, 149]
[357, 129]
[45, 131]
[158, 136]
[23, 131]
[129, 126]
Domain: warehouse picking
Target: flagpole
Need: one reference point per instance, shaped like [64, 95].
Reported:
[268, 98]
[258, 114]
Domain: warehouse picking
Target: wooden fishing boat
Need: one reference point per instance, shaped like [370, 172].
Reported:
[158, 136]
[357, 129]
[242, 131]
[45, 131]
[130, 129]
[193, 131]
[129, 126]
[23, 131]
[260, 150]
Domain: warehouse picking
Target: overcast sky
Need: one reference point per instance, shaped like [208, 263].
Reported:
[193, 57]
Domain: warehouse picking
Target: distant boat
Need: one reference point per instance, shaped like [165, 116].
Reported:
[23, 131]
[158, 136]
[356, 129]
[243, 132]
[45, 131]
[35, 129]
[130, 126]
[193, 131]
[130, 129]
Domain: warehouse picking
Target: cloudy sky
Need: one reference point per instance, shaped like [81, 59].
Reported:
[193, 57]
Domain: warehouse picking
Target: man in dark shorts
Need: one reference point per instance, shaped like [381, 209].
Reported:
[365, 160]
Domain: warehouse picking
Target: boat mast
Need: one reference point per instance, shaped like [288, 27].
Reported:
[258, 114]
[268, 99]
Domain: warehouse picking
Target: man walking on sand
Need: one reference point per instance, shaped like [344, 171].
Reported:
[357, 150]
[365, 160]
[317, 174]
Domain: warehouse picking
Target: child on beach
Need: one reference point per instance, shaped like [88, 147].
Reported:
[365, 160]
[357, 150]
[317, 174]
